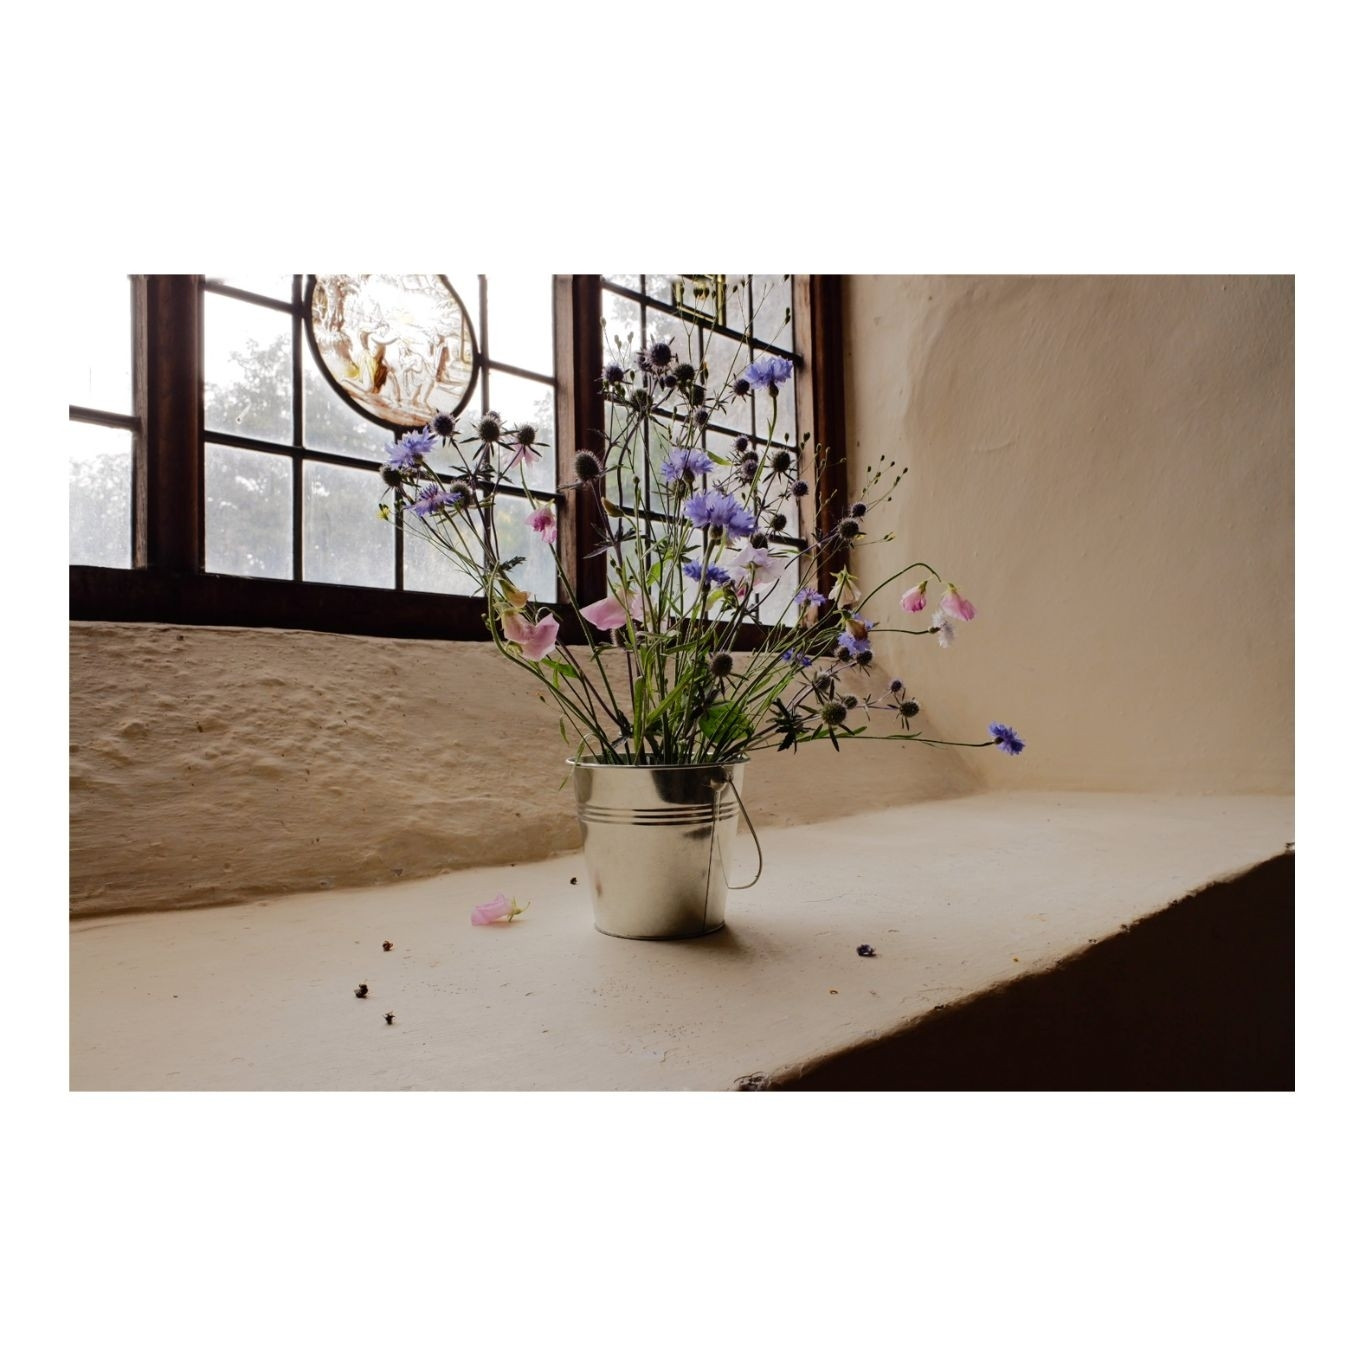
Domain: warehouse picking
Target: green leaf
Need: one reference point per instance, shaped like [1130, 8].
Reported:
[726, 720]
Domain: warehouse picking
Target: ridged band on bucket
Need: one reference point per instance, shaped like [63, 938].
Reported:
[647, 815]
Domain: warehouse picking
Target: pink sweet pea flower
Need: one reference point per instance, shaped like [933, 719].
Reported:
[956, 605]
[522, 455]
[611, 613]
[489, 911]
[535, 638]
[755, 566]
[913, 599]
[542, 522]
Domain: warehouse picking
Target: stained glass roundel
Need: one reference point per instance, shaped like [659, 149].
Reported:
[401, 348]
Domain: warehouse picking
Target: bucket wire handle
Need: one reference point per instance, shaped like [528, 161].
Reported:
[720, 780]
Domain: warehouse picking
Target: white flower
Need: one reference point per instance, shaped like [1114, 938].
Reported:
[753, 565]
[944, 627]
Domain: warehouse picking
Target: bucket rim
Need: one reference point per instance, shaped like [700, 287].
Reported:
[658, 768]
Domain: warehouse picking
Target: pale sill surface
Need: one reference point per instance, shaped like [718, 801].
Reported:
[955, 896]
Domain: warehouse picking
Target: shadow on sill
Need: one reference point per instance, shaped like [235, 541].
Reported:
[1199, 997]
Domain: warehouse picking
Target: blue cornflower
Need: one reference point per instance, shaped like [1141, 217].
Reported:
[430, 497]
[404, 452]
[720, 510]
[768, 372]
[804, 595]
[789, 656]
[715, 574]
[855, 649]
[1006, 739]
[681, 464]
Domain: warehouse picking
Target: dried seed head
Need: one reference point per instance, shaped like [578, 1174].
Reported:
[834, 713]
[526, 435]
[490, 427]
[587, 466]
[721, 664]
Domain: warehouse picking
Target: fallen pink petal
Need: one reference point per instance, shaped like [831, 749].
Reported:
[499, 908]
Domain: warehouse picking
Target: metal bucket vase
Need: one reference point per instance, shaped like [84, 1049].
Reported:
[658, 840]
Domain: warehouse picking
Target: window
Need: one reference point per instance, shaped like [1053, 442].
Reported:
[222, 472]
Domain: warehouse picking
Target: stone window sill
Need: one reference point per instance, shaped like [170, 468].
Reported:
[961, 899]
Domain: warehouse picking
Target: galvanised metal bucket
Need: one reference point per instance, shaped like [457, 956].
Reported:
[658, 840]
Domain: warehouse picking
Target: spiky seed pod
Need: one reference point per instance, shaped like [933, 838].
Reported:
[850, 527]
[777, 522]
[780, 462]
[742, 387]
[859, 510]
[641, 398]
[700, 417]
[851, 702]
[392, 476]
[800, 489]
[740, 445]
[612, 373]
[749, 467]
[526, 435]
[443, 424]
[587, 466]
[721, 664]
[684, 373]
[834, 713]
[490, 427]
[896, 686]
[910, 707]
[759, 541]
[661, 357]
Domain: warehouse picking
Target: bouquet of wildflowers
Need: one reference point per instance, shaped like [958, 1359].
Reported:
[686, 580]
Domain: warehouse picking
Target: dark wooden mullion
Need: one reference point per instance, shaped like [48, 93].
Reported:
[168, 504]
[297, 406]
[828, 425]
[581, 353]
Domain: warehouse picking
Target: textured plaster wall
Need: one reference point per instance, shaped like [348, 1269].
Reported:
[212, 765]
[1105, 466]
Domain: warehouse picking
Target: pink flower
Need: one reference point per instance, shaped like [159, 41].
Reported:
[536, 638]
[611, 613]
[542, 522]
[489, 911]
[956, 605]
[913, 599]
[754, 566]
[944, 627]
[522, 455]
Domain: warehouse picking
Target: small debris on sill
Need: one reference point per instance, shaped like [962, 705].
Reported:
[387, 945]
[573, 882]
[1014, 960]
[389, 1017]
[756, 1081]
[362, 990]
[867, 951]
[833, 992]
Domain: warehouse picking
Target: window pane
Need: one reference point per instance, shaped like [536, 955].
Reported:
[520, 313]
[345, 538]
[332, 425]
[522, 401]
[773, 309]
[248, 513]
[776, 606]
[100, 487]
[247, 381]
[101, 373]
[621, 339]
[537, 574]
[428, 569]
[272, 286]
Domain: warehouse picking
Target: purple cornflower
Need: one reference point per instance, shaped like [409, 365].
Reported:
[403, 453]
[768, 372]
[804, 595]
[721, 511]
[1006, 739]
[430, 497]
[791, 656]
[681, 464]
[715, 574]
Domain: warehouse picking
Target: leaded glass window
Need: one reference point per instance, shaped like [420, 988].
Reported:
[294, 429]
[721, 324]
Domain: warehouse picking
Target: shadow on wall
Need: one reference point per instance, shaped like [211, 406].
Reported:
[1199, 997]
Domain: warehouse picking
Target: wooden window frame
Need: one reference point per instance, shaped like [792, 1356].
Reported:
[168, 584]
